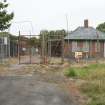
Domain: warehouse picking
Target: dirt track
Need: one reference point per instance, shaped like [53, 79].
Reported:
[34, 85]
[28, 91]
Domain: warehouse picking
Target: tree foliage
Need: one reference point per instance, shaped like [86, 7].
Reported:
[53, 34]
[5, 17]
[101, 27]
[34, 42]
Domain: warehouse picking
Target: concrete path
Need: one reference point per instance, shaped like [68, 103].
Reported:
[28, 91]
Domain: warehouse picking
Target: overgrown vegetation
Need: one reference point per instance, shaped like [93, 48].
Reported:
[94, 85]
[101, 27]
[5, 17]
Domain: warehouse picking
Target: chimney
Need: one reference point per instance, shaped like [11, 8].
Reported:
[86, 23]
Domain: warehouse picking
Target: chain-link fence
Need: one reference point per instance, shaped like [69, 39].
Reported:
[4, 48]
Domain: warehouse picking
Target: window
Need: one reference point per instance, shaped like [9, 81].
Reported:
[74, 46]
[86, 46]
[97, 46]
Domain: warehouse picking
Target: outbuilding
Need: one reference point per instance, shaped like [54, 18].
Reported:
[87, 40]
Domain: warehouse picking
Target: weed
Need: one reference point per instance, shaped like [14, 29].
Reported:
[94, 87]
[70, 73]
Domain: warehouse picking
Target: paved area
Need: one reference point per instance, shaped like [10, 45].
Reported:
[27, 91]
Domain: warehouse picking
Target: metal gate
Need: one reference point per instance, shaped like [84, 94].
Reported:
[29, 49]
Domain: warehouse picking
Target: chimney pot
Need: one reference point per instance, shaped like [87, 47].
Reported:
[86, 23]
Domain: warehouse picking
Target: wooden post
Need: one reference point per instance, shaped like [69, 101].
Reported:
[30, 48]
[43, 47]
[9, 47]
[19, 47]
[97, 58]
[62, 48]
[90, 48]
[48, 47]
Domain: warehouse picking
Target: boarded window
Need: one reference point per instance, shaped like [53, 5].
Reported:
[97, 47]
[74, 46]
[80, 44]
[86, 46]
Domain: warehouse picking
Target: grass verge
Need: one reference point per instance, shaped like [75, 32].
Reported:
[94, 87]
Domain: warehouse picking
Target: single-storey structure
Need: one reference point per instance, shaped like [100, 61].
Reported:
[87, 40]
[8, 47]
[4, 45]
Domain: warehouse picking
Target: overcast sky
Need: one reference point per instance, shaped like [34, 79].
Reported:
[51, 14]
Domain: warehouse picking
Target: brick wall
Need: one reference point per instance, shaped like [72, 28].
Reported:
[92, 48]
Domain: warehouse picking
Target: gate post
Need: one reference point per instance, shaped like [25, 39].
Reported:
[19, 47]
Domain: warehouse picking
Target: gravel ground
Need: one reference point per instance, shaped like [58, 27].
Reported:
[36, 85]
[26, 90]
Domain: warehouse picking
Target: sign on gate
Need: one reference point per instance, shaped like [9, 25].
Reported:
[5, 40]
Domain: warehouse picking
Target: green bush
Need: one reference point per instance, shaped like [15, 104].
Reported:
[97, 103]
[86, 72]
[71, 73]
[94, 85]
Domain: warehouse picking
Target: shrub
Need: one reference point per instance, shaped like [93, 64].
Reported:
[71, 73]
[94, 85]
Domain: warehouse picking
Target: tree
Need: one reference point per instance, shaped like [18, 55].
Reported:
[44, 33]
[101, 27]
[5, 17]
[34, 42]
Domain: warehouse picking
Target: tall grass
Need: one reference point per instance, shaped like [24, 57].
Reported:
[94, 87]
[86, 72]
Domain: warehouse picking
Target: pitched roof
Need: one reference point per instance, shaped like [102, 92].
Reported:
[82, 33]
